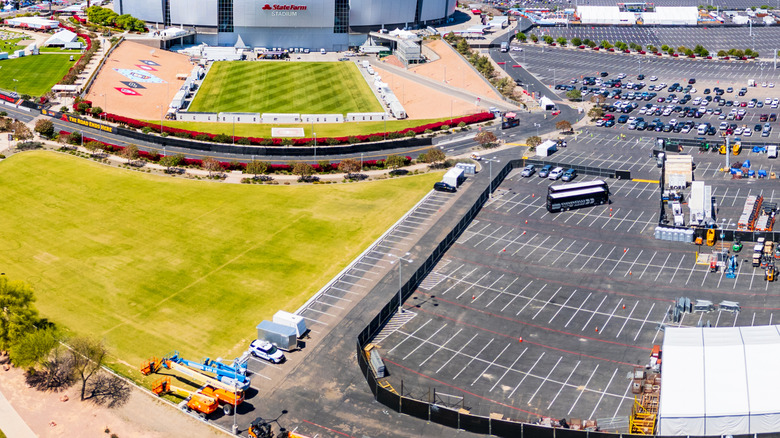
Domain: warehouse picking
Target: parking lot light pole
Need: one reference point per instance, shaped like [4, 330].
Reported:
[399, 260]
[537, 125]
[490, 172]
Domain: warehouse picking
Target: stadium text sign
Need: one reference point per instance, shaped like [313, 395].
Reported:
[89, 123]
[284, 10]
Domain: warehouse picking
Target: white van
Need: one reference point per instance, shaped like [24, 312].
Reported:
[702, 129]
[771, 151]
[322, 51]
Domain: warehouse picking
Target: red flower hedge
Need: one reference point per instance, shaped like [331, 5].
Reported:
[184, 133]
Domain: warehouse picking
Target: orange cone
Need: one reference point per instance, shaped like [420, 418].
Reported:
[473, 297]
[629, 273]
[520, 339]
[526, 221]
[624, 307]
[533, 195]
[597, 329]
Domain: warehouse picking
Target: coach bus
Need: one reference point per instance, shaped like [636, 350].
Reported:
[578, 186]
[586, 197]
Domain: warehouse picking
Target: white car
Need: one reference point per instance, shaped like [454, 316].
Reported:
[653, 78]
[555, 173]
[517, 49]
[673, 123]
[763, 84]
[266, 351]
[767, 101]
[738, 131]
[771, 85]
[747, 132]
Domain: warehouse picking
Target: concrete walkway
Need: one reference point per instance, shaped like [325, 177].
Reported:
[11, 423]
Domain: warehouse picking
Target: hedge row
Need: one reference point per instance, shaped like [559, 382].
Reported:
[231, 165]
[222, 138]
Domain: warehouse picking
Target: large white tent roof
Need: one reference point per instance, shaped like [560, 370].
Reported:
[718, 381]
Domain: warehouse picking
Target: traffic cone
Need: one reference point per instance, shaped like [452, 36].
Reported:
[520, 339]
[624, 307]
[523, 233]
[533, 195]
[526, 221]
[473, 297]
[597, 329]
[630, 273]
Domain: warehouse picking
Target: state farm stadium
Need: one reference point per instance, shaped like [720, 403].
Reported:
[329, 24]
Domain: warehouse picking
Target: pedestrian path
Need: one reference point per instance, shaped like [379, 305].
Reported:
[11, 423]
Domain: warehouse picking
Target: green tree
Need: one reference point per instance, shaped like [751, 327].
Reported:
[605, 44]
[534, 38]
[18, 316]
[349, 165]
[548, 39]
[463, 47]
[168, 161]
[682, 49]
[45, 128]
[591, 44]
[635, 47]
[87, 356]
[563, 125]
[395, 161]
[689, 52]
[435, 155]
[130, 153]
[93, 146]
[574, 94]
[211, 165]
[665, 48]
[561, 41]
[34, 347]
[302, 169]
[651, 48]
[596, 113]
[256, 167]
[522, 36]
[576, 41]
[533, 142]
[485, 139]
[723, 53]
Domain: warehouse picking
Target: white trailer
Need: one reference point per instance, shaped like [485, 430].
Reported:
[291, 320]
[454, 177]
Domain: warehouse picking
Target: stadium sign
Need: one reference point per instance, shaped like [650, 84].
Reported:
[88, 123]
[284, 10]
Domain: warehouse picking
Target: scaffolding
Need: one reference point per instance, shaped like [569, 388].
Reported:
[643, 414]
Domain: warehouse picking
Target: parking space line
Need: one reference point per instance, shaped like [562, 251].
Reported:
[527, 373]
[489, 365]
[456, 353]
[531, 299]
[472, 359]
[562, 306]
[632, 264]
[563, 385]
[577, 255]
[501, 293]
[590, 257]
[476, 297]
[506, 371]
[578, 309]
[545, 379]
[602, 393]
[408, 336]
[458, 281]
[593, 313]
[425, 341]
[476, 283]
[517, 295]
[605, 259]
[610, 316]
[440, 347]
[658, 330]
[677, 268]
[546, 303]
[662, 267]
[584, 387]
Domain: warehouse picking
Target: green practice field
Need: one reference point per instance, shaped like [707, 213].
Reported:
[35, 74]
[285, 87]
[154, 264]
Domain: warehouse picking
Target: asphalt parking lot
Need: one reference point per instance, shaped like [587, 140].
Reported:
[537, 314]
[763, 38]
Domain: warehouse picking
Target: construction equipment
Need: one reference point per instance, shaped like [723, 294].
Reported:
[766, 218]
[771, 273]
[193, 401]
[711, 237]
[737, 246]
[225, 393]
[230, 377]
[731, 269]
[722, 149]
[750, 213]
[736, 148]
[260, 428]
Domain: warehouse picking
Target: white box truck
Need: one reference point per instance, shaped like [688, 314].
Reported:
[291, 320]
[771, 151]
[454, 177]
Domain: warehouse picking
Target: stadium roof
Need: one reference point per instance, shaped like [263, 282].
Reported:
[718, 381]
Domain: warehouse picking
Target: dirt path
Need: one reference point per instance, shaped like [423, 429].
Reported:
[142, 416]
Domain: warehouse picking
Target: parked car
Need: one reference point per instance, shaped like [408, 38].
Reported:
[544, 172]
[555, 173]
[266, 351]
[442, 186]
[569, 175]
[528, 170]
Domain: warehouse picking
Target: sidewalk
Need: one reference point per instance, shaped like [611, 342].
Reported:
[11, 423]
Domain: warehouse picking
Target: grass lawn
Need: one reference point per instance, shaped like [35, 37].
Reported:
[153, 264]
[285, 87]
[322, 130]
[36, 74]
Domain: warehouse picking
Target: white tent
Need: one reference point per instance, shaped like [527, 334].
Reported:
[546, 103]
[672, 16]
[240, 44]
[61, 38]
[718, 381]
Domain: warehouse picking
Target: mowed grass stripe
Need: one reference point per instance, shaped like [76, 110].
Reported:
[154, 264]
[285, 87]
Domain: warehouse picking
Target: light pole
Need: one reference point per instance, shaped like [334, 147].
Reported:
[15, 81]
[315, 146]
[554, 79]
[399, 259]
[537, 125]
[490, 166]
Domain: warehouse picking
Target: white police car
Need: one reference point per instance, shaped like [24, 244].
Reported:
[266, 350]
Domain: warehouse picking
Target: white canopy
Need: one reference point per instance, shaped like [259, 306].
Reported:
[61, 38]
[718, 381]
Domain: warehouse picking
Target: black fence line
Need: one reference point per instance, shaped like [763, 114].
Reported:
[430, 410]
